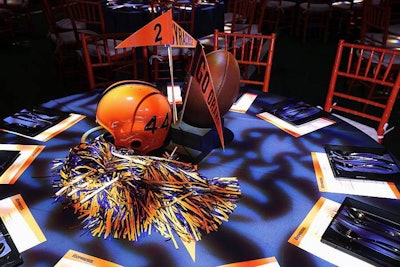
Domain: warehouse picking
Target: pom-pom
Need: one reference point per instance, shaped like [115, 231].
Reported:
[117, 193]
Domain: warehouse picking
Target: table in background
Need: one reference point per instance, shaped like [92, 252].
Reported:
[208, 17]
[274, 169]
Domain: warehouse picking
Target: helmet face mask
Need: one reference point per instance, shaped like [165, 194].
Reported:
[136, 114]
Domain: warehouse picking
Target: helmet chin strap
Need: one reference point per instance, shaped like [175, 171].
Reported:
[89, 132]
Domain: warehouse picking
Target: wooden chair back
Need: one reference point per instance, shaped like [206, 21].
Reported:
[89, 13]
[242, 16]
[370, 65]
[375, 23]
[106, 64]
[253, 52]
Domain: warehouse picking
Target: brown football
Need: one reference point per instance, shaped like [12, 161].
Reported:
[225, 73]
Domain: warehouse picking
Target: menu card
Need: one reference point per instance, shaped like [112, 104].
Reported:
[264, 262]
[77, 259]
[362, 163]
[295, 117]
[20, 223]
[299, 130]
[308, 235]
[327, 182]
[9, 254]
[14, 159]
[294, 111]
[40, 123]
[366, 232]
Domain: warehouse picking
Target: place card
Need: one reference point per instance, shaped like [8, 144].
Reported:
[74, 258]
[20, 223]
[15, 159]
[308, 235]
[176, 93]
[243, 103]
[327, 182]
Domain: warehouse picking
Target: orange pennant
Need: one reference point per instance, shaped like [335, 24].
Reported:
[200, 72]
[181, 38]
[159, 31]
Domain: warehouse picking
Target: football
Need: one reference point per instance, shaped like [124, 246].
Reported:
[225, 74]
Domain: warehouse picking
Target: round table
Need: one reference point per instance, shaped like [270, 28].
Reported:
[274, 169]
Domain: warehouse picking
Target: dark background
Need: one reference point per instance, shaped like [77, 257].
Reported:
[29, 75]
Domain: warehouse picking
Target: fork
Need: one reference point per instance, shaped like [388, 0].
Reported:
[353, 236]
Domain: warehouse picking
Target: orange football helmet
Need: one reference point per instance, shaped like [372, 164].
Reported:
[136, 114]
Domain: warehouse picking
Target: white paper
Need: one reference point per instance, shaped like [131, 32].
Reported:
[53, 131]
[20, 223]
[77, 259]
[327, 182]
[177, 94]
[299, 130]
[308, 235]
[28, 153]
[243, 103]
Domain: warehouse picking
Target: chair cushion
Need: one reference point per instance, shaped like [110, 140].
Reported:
[176, 51]
[345, 5]
[395, 29]
[371, 132]
[67, 37]
[315, 7]
[392, 42]
[66, 25]
[280, 4]
[93, 52]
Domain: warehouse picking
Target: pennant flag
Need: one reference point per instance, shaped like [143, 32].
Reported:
[200, 72]
[160, 31]
[156, 32]
[181, 38]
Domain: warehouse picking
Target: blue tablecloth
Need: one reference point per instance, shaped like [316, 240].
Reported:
[274, 169]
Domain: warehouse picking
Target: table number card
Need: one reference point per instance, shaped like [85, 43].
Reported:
[77, 259]
[176, 93]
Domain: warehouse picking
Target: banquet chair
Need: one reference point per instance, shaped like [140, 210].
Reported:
[105, 64]
[347, 15]
[86, 15]
[279, 15]
[254, 54]
[21, 10]
[6, 24]
[314, 16]
[63, 39]
[376, 27]
[60, 14]
[66, 21]
[242, 16]
[373, 66]
[184, 15]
